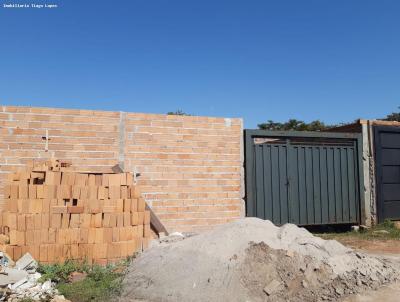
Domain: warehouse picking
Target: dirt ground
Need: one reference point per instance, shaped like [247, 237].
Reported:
[388, 293]
[372, 246]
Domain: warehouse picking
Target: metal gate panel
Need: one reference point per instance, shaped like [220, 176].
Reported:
[323, 185]
[271, 183]
[302, 183]
[387, 163]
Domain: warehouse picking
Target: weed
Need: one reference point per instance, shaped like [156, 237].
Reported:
[388, 224]
[100, 284]
[384, 231]
[61, 272]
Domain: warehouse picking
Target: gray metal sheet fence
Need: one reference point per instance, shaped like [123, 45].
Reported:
[387, 164]
[302, 183]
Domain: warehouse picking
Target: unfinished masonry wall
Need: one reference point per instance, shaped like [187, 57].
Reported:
[190, 167]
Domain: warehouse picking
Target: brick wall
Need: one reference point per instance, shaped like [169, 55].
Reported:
[191, 167]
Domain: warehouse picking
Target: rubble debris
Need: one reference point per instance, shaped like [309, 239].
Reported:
[26, 262]
[11, 275]
[271, 264]
[167, 239]
[177, 234]
[22, 282]
[5, 260]
[289, 253]
[273, 287]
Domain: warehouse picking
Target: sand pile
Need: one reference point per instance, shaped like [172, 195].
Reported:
[253, 260]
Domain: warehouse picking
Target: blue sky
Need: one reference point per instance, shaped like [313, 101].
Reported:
[330, 60]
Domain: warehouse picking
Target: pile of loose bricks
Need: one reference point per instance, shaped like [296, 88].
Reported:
[56, 214]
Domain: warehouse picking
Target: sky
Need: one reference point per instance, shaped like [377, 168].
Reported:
[260, 60]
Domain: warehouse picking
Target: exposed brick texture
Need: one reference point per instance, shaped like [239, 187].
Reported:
[191, 167]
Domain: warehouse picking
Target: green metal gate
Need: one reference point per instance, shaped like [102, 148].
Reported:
[303, 178]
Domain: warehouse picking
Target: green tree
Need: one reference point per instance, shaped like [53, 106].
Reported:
[394, 116]
[295, 125]
[178, 112]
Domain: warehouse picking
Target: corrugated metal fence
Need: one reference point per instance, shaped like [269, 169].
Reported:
[387, 162]
[303, 178]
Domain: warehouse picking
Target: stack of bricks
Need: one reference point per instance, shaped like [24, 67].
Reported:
[56, 214]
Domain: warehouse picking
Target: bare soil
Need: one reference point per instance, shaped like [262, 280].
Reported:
[387, 293]
[374, 246]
